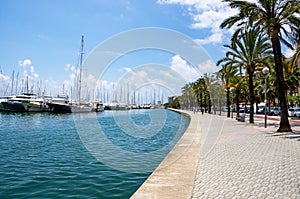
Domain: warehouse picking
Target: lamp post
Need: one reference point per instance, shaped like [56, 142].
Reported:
[266, 72]
[231, 108]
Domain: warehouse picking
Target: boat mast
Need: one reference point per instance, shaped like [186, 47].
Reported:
[27, 85]
[16, 91]
[80, 68]
[12, 83]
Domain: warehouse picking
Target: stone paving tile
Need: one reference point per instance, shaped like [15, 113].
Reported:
[249, 162]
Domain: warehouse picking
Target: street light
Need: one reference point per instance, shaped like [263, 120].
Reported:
[266, 72]
[231, 89]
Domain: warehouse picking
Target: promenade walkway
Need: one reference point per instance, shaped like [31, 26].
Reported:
[231, 160]
[245, 160]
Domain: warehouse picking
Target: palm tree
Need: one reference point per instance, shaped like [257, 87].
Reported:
[210, 95]
[249, 49]
[278, 18]
[188, 96]
[259, 87]
[227, 73]
[239, 86]
[291, 74]
[296, 56]
[200, 91]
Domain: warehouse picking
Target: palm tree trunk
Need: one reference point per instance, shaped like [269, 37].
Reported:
[284, 121]
[251, 91]
[201, 101]
[237, 103]
[228, 101]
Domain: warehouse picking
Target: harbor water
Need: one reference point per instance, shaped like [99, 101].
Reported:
[42, 155]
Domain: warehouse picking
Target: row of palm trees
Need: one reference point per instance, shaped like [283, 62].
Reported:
[261, 28]
[206, 93]
[276, 21]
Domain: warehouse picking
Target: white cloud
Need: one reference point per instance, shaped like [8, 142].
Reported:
[25, 62]
[29, 69]
[72, 76]
[184, 69]
[4, 78]
[68, 66]
[206, 15]
[127, 70]
[208, 67]
[4, 82]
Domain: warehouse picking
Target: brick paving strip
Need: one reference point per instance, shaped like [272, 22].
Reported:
[249, 161]
[228, 159]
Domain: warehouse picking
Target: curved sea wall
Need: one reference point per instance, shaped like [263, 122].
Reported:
[175, 176]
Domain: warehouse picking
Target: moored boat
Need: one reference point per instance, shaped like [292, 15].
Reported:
[116, 106]
[98, 107]
[4, 99]
[15, 104]
[59, 104]
[79, 108]
[36, 105]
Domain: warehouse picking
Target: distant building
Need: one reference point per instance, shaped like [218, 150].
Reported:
[171, 99]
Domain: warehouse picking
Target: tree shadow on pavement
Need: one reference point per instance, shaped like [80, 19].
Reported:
[295, 135]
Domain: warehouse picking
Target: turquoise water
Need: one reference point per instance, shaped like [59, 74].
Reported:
[42, 155]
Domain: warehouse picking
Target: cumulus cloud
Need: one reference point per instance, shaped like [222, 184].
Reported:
[127, 70]
[206, 15]
[4, 78]
[71, 68]
[4, 81]
[208, 67]
[29, 69]
[187, 71]
[25, 63]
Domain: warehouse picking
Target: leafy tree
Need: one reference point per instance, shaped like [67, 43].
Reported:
[227, 73]
[291, 75]
[281, 21]
[249, 49]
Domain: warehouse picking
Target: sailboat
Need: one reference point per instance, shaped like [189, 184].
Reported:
[80, 107]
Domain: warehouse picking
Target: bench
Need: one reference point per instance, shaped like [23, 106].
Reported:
[241, 118]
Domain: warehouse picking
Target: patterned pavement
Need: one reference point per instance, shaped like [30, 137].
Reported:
[242, 160]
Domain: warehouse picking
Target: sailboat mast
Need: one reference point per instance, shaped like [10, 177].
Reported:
[27, 85]
[17, 83]
[12, 83]
[80, 68]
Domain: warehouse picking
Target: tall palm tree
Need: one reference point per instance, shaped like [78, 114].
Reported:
[200, 91]
[278, 18]
[249, 49]
[188, 96]
[211, 83]
[227, 73]
[239, 86]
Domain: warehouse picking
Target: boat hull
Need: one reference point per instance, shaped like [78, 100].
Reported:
[13, 106]
[59, 108]
[80, 109]
[35, 107]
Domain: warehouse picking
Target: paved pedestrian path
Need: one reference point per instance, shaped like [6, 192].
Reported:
[219, 157]
[242, 160]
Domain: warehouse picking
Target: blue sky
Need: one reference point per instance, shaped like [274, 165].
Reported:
[41, 38]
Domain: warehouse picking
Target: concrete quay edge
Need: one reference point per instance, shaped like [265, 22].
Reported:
[175, 176]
